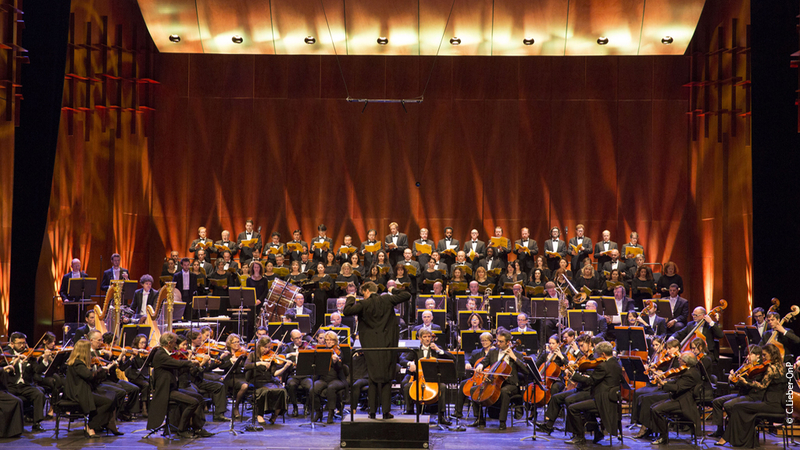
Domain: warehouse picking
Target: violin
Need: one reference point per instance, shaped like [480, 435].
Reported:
[664, 358]
[272, 356]
[659, 375]
[748, 370]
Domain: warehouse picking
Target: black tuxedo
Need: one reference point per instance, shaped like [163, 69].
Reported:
[586, 251]
[423, 258]
[395, 255]
[658, 326]
[511, 383]
[604, 381]
[434, 327]
[317, 254]
[65, 285]
[294, 255]
[246, 253]
[502, 252]
[599, 248]
[620, 266]
[187, 292]
[680, 313]
[231, 246]
[407, 358]
[136, 305]
[526, 261]
[628, 305]
[496, 262]
[480, 249]
[292, 312]
[370, 258]
[442, 246]
[193, 248]
[552, 263]
[108, 275]
[81, 332]
[270, 256]
[625, 249]
[711, 334]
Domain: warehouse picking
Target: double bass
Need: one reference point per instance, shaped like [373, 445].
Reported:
[697, 332]
[773, 337]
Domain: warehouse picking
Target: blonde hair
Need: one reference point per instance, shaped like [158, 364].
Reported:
[80, 352]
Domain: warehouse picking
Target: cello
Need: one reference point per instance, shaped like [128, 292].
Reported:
[487, 392]
[697, 332]
[534, 394]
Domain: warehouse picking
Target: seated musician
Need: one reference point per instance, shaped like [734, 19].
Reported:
[427, 349]
[263, 372]
[81, 387]
[195, 379]
[581, 391]
[726, 402]
[680, 310]
[522, 324]
[785, 336]
[602, 325]
[765, 397]
[474, 359]
[427, 323]
[336, 322]
[330, 384]
[130, 390]
[681, 398]
[20, 370]
[55, 381]
[293, 382]
[710, 330]
[645, 397]
[656, 323]
[299, 308]
[144, 297]
[624, 304]
[235, 381]
[136, 374]
[522, 304]
[504, 352]
[603, 382]
[165, 389]
[90, 325]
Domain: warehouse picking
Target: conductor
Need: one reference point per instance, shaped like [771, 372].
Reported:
[379, 328]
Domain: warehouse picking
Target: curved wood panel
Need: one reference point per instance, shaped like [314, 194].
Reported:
[174, 17]
[221, 20]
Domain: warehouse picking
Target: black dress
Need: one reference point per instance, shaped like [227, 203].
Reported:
[262, 289]
[431, 277]
[270, 394]
[518, 278]
[10, 411]
[664, 282]
[80, 389]
[767, 396]
[639, 296]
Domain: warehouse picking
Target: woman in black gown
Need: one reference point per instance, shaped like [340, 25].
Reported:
[358, 269]
[79, 388]
[383, 264]
[346, 276]
[509, 278]
[643, 279]
[265, 376]
[766, 396]
[588, 278]
[614, 277]
[539, 263]
[260, 282]
[669, 275]
[295, 276]
[10, 409]
[430, 276]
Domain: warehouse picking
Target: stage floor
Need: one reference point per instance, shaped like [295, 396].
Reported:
[291, 435]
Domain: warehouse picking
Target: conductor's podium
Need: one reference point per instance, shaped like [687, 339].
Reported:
[400, 432]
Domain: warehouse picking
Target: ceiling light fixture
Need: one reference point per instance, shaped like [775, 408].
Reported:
[237, 39]
[310, 40]
[666, 40]
[528, 41]
[455, 40]
[383, 40]
[602, 40]
[174, 38]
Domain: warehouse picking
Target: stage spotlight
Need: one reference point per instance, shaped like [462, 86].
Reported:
[310, 40]
[666, 40]
[383, 40]
[237, 39]
[602, 40]
[528, 41]
[174, 38]
[455, 40]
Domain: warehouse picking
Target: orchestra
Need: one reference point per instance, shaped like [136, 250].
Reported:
[369, 293]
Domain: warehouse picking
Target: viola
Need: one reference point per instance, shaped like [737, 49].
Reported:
[242, 352]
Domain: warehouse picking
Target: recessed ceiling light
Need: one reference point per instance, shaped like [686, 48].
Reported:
[237, 39]
[666, 40]
[455, 40]
[310, 40]
[602, 40]
[174, 38]
[383, 40]
[528, 41]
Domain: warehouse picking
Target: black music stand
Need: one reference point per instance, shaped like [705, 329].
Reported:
[634, 367]
[282, 329]
[530, 340]
[739, 348]
[313, 363]
[79, 288]
[752, 334]
[205, 302]
[228, 377]
[543, 309]
[128, 290]
[583, 320]
[704, 378]
[507, 320]
[471, 340]
[664, 310]
[632, 338]
[537, 378]
[57, 362]
[130, 331]
[243, 300]
[445, 373]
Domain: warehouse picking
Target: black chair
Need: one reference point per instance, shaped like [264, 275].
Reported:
[67, 409]
[764, 422]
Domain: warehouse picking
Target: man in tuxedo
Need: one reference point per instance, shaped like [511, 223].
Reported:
[681, 399]
[423, 258]
[521, 304]
[369, 257]
[395, 243]
[474, 249]
[522, 324]
[345, 250]
[321, 254]
[555, 245]
[90, 325]
[680, 310]
[76, 272]
[114, 273]
[407, 261]
[710, 329]
[634, 243]
[143, 297]
[615, 263]
[624, 304]
[202, 242]
[602, 247]
[511, 384]
[447, 243]
[225, 242]
[501, 251]
[427, 323]
[297, 238]
[18, 380]
[229, 263]
[299, 308]
[785, 336]
[760, 321]
[305, 264]
[246, 252]
[427, 349]
[173, 255]
[275, 243]
[461, 259]
[602, 325]
[584, 244]
[204, 264]
[186, 283]
[526, 259]
[491, 262]
[656, 323]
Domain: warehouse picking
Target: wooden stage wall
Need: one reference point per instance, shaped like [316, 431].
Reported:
[508, 141]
